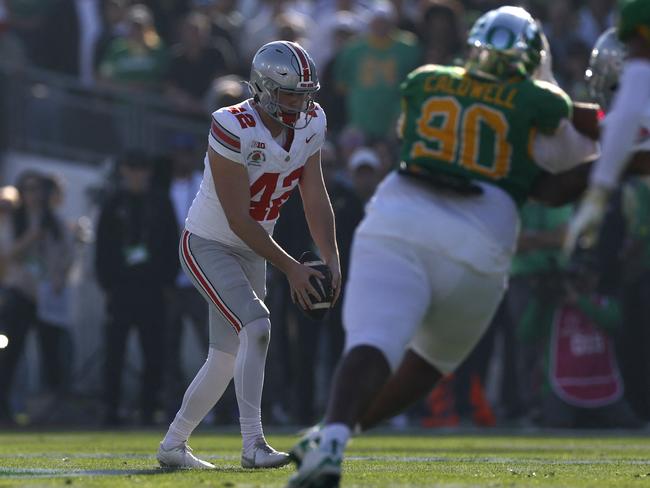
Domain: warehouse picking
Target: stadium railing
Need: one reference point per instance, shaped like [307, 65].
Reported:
[55, 115]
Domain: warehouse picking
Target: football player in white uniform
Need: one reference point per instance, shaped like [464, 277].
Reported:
[626, 123]
[430, 260]
[259, 151]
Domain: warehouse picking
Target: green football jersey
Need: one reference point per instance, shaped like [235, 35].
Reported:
[461, 125]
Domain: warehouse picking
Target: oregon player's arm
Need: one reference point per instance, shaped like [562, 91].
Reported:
[586, 119]
[559, 189]
[557, 145]
[564, 149]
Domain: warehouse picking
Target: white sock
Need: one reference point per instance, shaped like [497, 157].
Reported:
[249, 378]
[205, 390]
[334, 438]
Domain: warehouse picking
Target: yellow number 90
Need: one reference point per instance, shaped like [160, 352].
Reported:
[445, 136]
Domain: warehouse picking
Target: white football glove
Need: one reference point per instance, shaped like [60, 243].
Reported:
[584, 227]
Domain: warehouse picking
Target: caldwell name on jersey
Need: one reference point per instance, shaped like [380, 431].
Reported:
[238, 133]
[496, 135]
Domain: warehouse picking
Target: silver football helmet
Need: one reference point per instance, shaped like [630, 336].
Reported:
[284, 66]
[505, 42]
[605, 67]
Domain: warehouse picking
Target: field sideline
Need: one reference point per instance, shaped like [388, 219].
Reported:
[103, 459]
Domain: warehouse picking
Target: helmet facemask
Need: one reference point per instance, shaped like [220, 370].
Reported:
[268, 98]
[505, 42]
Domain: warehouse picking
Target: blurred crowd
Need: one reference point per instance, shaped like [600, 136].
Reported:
[569, 347]
[193, 52]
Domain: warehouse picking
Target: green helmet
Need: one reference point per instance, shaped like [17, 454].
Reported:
[605, 67]
[634, 19]
[505, 42]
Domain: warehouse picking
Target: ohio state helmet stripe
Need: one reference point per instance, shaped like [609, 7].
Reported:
[302, 60]
[205, 284]
[225, 137]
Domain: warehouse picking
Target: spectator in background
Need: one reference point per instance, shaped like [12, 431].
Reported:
[225, 91]
[27, 20]
[332, 16]
[582, 385]
[226, 25]
[573, 69]
[89, 22]
[634, 338]
[12, 51]
[166, 16]
[537, 259]
[594, 17]
[13, 59]
[560, 30]
[38, 260]
[184, 301]
[265, 25]
[194, 65]
[294, 348]
[349, 140]
[24, 19]
[387, 151]
[115, 26]
[344, 26]
[60, 34]
[137, 61]
[348, 212]
[460, 397]
[441, 32]
[366, 172]
[136, 262]
[292, 27]
[407, 14]
[370, 70]
[53, 292]
[292, 387]
[8, 202]
[9, 199]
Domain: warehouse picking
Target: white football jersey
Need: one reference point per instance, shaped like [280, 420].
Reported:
[239, 134]
[642, 142]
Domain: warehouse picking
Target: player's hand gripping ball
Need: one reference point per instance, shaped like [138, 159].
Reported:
[321, 304]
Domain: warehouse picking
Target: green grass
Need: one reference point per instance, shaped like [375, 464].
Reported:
[102, 459]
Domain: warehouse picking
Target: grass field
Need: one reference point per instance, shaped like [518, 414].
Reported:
[102, 459]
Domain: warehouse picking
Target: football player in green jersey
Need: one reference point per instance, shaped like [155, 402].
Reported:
[430, 260]
[623, 125]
